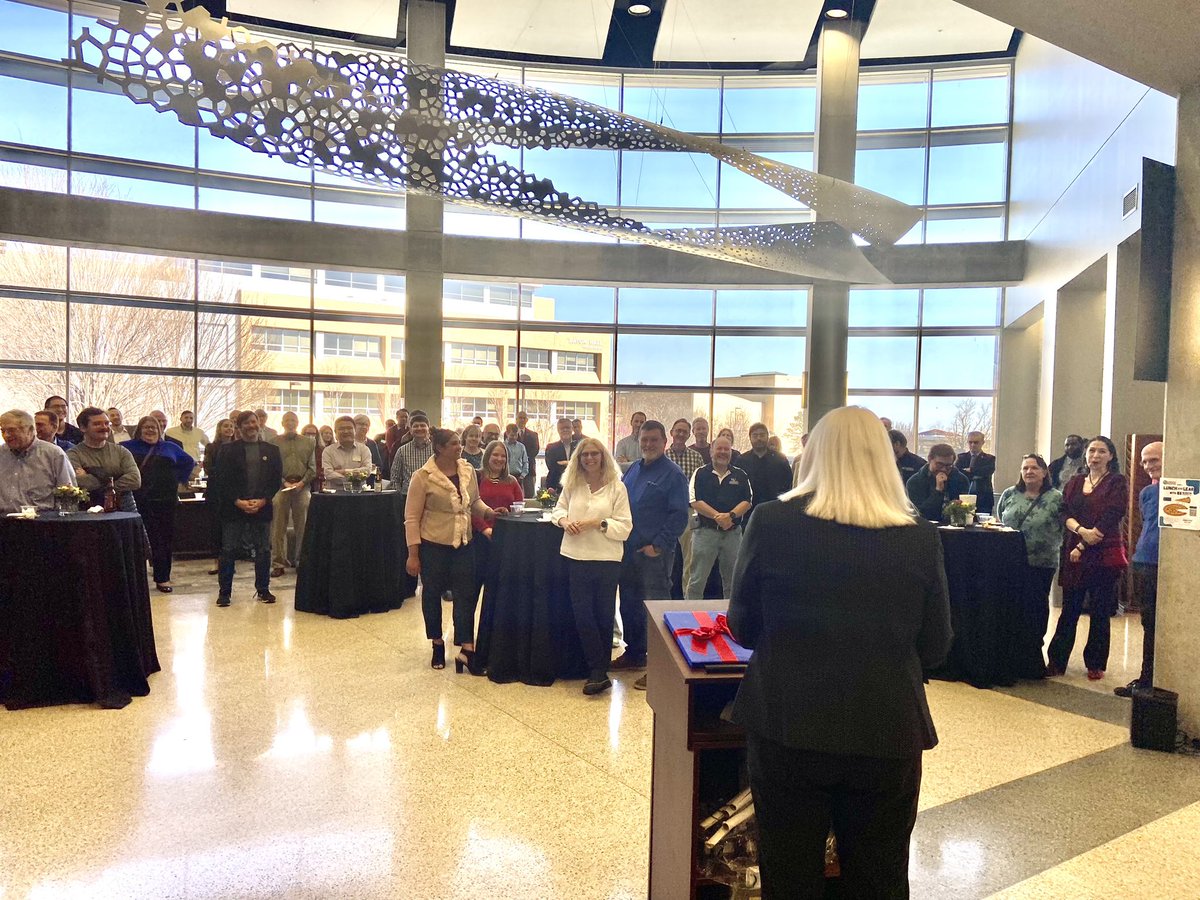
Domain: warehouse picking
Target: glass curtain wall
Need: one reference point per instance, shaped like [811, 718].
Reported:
[598, 353]
[62, 131]
[936, 137]
[933, 136]
[235, 334]
[142, 332]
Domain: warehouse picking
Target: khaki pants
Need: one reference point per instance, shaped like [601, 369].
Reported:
[685, 547]
[294, 503]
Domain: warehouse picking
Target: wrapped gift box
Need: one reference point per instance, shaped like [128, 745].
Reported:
[704, 640]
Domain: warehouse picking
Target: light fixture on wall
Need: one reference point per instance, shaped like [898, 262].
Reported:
[640, 9]
[838, 9]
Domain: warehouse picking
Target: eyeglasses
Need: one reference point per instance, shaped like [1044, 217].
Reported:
[591, 453]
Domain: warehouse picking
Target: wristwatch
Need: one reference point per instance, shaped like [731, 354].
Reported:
[603, 525]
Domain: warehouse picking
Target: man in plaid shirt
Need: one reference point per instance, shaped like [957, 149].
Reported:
[689, 460]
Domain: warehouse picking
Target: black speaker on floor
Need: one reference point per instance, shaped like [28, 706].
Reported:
[1154, 720]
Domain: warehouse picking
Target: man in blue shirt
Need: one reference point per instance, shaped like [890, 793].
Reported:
[1145, 567]
[658, 499]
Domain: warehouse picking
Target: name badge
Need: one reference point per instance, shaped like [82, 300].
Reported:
[733, 480]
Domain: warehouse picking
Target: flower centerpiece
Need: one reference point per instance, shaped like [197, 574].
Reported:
[67, 498]
[960, 514]
[355, 479]
[547, 497]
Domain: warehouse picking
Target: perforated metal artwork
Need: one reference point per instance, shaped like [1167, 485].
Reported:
[388, 122]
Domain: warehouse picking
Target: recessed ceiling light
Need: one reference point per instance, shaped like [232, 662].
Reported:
[836, 13]
[640, 9]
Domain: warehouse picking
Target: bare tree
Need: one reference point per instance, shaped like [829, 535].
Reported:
[132, 313]
[969, 415]
[794, 433]
[738, 421]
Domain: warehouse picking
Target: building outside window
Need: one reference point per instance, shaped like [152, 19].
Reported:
[356, 346]
[281, 340]
[473, 355]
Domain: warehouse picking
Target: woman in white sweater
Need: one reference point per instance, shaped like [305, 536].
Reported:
[593, 512]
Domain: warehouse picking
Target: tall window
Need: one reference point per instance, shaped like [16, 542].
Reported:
[926, 359]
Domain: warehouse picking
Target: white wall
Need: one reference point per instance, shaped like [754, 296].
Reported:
[1080, 133]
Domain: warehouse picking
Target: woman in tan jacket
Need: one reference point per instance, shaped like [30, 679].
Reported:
[442, 497]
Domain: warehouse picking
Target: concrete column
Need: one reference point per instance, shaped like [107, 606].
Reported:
[1178, 632]
[836, 142]
[423, 383]
[1078, 373]
[1016, 402]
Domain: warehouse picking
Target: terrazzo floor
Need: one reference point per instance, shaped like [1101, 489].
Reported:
[294, 756]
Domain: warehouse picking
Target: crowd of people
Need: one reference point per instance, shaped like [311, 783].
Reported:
[840, 537]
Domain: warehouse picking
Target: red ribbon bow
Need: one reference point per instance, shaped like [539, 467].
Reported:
[710, 631]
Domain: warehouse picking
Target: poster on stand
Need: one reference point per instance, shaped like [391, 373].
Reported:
[1179, 503]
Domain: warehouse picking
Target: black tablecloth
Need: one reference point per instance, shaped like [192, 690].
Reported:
[197, 532]
[349, 564]
[75, 622]
[526, 628]
[985, 571]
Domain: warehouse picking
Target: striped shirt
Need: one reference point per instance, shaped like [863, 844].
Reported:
[409, 457]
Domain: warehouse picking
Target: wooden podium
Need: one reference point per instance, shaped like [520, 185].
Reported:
[698, 757]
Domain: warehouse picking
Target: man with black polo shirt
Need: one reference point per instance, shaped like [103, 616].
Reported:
[720, 494]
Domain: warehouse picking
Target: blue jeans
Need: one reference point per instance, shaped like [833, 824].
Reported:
[239, 537]
[642, 578]
[710, 545]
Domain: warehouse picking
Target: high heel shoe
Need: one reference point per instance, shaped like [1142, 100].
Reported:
[438, 660]
[466, 659]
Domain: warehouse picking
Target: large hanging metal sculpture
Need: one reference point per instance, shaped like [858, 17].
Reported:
[425, 129]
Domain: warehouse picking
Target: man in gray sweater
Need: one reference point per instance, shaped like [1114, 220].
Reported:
[97, 460]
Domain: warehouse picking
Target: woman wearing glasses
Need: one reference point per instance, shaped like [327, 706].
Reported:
[1035, 508]
[593, 512]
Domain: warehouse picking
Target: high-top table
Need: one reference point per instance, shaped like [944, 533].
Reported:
[985, 572]
[526, 627]
[349, 562]
[75, 620]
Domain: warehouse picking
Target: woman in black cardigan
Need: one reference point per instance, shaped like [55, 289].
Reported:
[840, 592]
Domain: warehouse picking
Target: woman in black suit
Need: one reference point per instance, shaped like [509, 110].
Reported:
[840, 592]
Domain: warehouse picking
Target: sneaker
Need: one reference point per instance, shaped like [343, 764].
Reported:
[627, 661]
[1128, 689]
[222, 601]
[597, 684]
[640, 684]
[1095, 674]
[265, 597]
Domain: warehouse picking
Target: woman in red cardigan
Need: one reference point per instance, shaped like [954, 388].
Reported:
[1093, 557]
[498, 489]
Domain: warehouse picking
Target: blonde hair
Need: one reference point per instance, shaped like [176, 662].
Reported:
[573, 476]
[849, 474]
